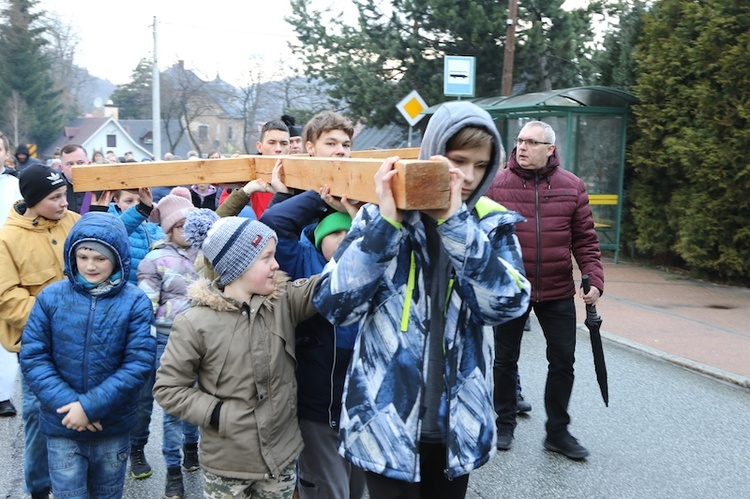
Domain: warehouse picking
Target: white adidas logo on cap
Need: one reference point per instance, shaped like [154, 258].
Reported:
[54, 178]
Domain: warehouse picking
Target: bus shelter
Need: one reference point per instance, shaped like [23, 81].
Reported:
[590, 124]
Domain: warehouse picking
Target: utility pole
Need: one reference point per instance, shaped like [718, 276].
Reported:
[510, 47]
[155, 103]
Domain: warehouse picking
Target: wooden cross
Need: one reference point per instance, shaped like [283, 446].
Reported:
[419, 185]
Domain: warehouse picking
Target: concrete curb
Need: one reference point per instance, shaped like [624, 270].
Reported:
[727, 376]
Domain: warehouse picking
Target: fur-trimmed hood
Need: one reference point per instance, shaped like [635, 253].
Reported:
[211, 294]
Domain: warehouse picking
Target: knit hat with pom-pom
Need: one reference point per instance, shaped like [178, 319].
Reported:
[172, 208]
[197, 225]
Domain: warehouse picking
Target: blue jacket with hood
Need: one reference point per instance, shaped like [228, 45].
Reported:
[382, 277]
[97, 350]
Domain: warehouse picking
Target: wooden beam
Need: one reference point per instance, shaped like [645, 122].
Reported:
[159, 173]
[419, 185]
[403, 153]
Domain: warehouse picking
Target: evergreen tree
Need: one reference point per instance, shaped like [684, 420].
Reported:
[555, 46]
[399, 45]
[615, 62]
[693, 175]
[29, 100]
[134, 98]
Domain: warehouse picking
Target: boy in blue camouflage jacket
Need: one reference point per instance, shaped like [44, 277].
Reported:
[425, 287]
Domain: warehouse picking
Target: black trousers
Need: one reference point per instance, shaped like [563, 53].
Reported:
[558, 321]
[434, 484]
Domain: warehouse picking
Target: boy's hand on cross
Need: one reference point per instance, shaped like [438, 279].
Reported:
[146, 196]
[103, 199]
[456, 185]
[257, 185]
[339, 204]
[383, 190]
[276, 183]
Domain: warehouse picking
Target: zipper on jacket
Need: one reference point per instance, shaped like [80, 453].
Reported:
[538, 236]
[148, 236]
[89, 325]
[451, 281]
[409, 291]
[332, 380]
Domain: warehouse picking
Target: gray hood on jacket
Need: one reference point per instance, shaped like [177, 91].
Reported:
[446, 122]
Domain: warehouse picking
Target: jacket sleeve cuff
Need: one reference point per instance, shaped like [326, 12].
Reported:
[143, 209]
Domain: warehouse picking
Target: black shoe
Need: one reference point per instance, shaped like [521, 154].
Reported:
[40, 495]
[190, 457]
[7, 409]
[504, 438]
[174, 488]
[139, 467]
[566, 445]
[522, 405]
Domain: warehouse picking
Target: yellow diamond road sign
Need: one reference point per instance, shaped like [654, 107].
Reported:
[411, 107]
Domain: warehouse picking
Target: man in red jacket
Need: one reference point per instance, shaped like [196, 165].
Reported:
[560, 224]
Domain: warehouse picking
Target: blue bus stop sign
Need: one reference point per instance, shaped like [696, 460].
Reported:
[459, 74]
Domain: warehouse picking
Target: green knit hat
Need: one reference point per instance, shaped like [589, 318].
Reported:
[330, 224]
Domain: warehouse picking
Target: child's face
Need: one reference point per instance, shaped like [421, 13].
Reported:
[331, 243]
[53, 207]
[93, 266]
[331, 144]
[473, 163]
[274, 142]
[127, 199]
[177, 236]
[260, 277]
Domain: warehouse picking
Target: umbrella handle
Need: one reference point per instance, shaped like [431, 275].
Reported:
[586, 285]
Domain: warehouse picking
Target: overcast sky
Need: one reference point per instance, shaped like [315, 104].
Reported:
[210, 36]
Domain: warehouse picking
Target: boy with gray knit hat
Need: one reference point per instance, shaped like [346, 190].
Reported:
[238, 338]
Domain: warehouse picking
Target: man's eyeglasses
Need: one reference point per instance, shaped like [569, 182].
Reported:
[530, 142]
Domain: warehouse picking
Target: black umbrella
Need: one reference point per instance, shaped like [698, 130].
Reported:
[594, 323]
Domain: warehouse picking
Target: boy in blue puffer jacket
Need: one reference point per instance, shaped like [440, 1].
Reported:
[88, 348]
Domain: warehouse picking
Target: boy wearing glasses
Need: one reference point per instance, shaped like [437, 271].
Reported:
[556, 205]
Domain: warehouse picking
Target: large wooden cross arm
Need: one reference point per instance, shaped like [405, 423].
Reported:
[419, 185]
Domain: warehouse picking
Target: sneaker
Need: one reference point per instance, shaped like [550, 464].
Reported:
[174, 488]
[7, 409]
[190, 457]
[522, 405]
[566, 445]
[139, 467]
[504, 438]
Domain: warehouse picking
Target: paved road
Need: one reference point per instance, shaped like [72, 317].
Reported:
[669, 432]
